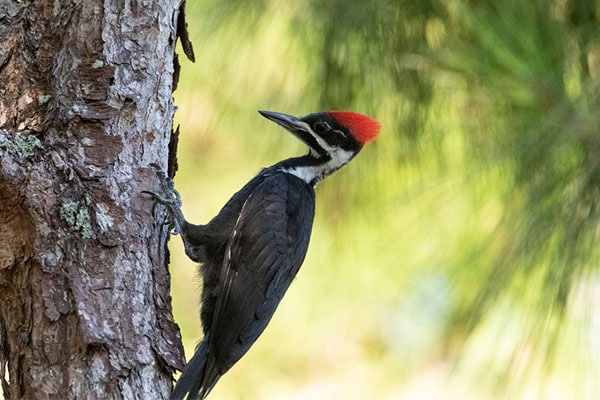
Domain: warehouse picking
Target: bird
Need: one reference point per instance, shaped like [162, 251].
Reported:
[252, 249]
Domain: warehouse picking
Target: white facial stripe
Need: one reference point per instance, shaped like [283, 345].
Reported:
[305, 125]
[320, 141]
[324, 145]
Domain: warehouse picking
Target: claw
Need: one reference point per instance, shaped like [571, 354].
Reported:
[172, 200]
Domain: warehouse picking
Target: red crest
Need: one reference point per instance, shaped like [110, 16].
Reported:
[363, 128]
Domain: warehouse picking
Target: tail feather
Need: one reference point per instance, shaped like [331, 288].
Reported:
[199, 376]
[210, 378]
[188, 384]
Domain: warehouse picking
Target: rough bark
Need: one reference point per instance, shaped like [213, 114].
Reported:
[85, 106]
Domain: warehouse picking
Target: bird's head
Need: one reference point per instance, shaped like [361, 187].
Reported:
[333, 137]
[326, 132]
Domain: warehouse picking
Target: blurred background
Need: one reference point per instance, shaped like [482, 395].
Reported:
[456, 258]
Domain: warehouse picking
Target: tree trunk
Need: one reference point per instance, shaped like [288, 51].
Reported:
[85, 106]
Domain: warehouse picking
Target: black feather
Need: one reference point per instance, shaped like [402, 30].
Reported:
[252, 251]
[189, 382]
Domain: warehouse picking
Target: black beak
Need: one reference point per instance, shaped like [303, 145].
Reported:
[296, 127]
[289, 122]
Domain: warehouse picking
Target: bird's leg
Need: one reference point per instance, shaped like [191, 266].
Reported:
[171, 199]
[193, 236]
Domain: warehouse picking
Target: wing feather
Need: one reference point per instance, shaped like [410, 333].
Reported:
[267, 247]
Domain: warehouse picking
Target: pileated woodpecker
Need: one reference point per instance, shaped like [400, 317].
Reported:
[254, 247]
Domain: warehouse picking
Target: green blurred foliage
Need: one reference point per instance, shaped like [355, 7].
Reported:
[456, 257]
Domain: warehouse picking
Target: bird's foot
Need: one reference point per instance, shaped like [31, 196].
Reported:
[171, 199]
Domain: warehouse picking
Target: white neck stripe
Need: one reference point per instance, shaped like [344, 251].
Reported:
[312, 174]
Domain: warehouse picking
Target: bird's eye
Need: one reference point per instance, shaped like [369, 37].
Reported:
[320, 127]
